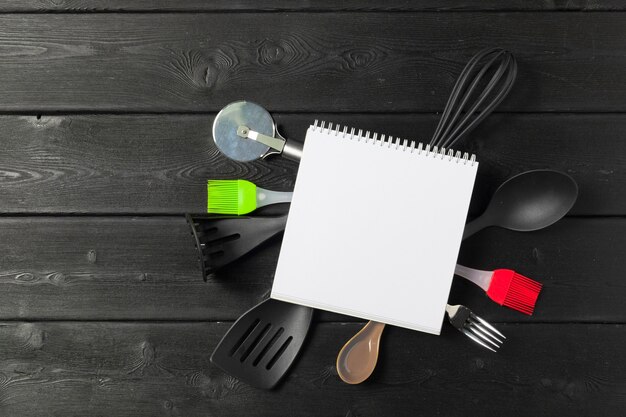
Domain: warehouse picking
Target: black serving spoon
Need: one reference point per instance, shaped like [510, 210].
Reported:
[528, 201]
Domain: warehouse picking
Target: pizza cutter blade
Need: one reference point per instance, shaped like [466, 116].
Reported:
[245, 131]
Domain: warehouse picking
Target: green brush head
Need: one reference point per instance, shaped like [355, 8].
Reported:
[231, 197]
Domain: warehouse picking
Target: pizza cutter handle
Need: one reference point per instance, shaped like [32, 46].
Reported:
[293, 150]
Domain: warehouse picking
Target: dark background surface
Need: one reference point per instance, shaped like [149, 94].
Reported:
[106, 109]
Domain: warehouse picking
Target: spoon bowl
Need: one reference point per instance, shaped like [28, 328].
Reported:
[357, 359]
[533, 200]
[528, 201]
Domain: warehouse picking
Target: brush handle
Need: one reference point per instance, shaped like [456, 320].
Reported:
[477, 276]
[266, 197]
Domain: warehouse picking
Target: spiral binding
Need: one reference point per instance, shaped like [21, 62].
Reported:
[400, 144]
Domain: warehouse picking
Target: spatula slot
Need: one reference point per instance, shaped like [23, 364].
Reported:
[216, 255]
[225, 239]
[247, 333]
[208, 230]
[268, 346]
[255, 342]
[261, 345]
[280, 352]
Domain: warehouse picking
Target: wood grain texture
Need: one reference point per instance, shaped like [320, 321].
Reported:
[103, 310]
[304, 61]
[119, 268]
[97, 268]
[88, 6]
[159, 369]
[160, 164]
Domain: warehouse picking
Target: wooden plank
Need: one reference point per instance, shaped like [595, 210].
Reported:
[86, 268]
[119, 268]
[159, 164]
[88, 6]
[134, 369]
[306, 62]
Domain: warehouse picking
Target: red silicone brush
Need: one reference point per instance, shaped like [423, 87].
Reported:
[505, 287]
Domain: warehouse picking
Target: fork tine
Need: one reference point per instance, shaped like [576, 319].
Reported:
[489, 332]
[474, 316]
[485, 332]
[482, 334]
[475, 339]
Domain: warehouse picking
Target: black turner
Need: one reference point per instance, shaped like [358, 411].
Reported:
[262, 344]
[223, 239]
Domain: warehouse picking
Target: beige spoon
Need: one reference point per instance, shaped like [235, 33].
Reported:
[357, 359]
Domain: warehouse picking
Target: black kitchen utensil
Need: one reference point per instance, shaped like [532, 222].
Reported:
[223, 239]
[473, 98]
[528, 201]
[262, 344]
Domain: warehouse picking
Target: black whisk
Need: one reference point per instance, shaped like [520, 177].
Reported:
[459, 116]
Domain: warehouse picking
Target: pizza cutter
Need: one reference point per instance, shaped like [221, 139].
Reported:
[245, 131]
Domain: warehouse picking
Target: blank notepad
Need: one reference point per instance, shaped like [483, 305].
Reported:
[374, 228]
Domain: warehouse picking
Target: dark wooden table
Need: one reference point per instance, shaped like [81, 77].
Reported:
[106, 111]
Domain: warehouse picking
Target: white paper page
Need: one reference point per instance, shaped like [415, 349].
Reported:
[374, 231]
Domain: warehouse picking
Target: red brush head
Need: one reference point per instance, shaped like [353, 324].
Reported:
[513, 290]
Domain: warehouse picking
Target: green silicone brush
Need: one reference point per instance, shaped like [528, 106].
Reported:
[240, 197]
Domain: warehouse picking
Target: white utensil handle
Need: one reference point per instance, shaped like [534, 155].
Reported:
[477, 276]
[267, 197]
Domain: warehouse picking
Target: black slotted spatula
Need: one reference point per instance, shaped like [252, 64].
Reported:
[223, 239]
[262, 344]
